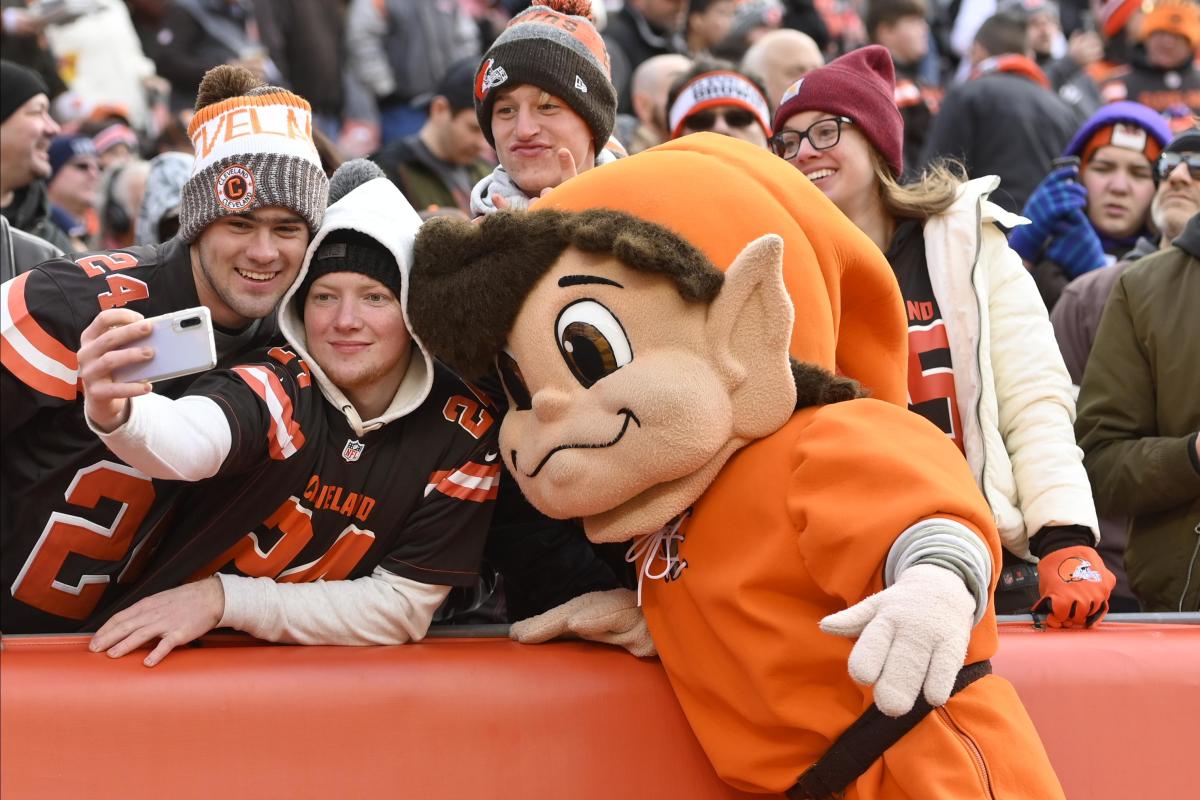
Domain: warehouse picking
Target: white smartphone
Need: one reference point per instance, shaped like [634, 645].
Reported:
[183, 344]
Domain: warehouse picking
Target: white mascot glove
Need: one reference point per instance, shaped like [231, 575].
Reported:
[611, 617]
[911, 635]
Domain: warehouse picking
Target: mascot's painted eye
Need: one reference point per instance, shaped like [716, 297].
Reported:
[514, 381]
[591, 341]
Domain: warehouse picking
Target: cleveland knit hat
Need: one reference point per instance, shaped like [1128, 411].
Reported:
[1179, 17]
[17, 85]
[64, 148]
[551, 45]
[860, 85]
[254, 149]
[716, 88]
[1124, 124]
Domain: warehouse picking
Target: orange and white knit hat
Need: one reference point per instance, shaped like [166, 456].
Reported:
[253, 151]
[1180, 17]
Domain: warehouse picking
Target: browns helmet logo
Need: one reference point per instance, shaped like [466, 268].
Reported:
[235, 188]
[489, 78]
[1075, 569]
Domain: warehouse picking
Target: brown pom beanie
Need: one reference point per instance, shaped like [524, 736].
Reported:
[551, 46]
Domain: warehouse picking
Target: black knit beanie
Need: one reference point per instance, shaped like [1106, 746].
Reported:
[351, 251]
[17, 85]
[550, 45]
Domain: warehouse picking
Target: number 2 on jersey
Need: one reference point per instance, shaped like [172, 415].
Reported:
[38, 582]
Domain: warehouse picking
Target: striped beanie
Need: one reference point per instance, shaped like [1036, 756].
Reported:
[254, 149]
[554, 46]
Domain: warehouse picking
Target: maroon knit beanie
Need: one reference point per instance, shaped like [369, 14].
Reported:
[860, 85]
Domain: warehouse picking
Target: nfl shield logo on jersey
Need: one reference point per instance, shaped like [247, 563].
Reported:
[353, 449]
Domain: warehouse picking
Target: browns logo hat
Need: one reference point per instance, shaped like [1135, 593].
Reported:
[253, 150]
[554, 46]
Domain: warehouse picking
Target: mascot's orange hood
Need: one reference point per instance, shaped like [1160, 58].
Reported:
[720, 194]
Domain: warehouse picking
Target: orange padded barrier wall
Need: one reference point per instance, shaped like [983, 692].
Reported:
[473, 718]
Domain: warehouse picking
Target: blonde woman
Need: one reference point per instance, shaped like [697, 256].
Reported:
[983, 363]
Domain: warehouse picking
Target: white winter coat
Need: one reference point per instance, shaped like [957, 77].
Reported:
[1014, 393]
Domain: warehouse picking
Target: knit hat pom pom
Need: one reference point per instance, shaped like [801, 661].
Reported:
[577, 8]
[350, 176]
[223, 82]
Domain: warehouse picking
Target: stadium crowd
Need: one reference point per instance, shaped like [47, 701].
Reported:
[1030, 169]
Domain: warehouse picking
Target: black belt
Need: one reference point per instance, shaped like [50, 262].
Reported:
[866, 740]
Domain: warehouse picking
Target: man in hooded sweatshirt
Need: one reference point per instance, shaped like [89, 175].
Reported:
[364, 471]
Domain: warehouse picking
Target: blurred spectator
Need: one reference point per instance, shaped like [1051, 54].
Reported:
[752, 19]
[1162, 72]
[101, 58]
[158, 217]
[714, 96]
[647, 126]
[1064, 62]
[124, 187]
[641, 29]
[779, 58]
[23, 41]
[306, 40]
[1006, 120]
[982, 365]
[74, 189]
[21, 251]
[438, 166]
[1085, 216]
[545, 103]
[901, 27]
[1076, 316]
[802, 16]
[844, 25]
[708, 22]
[116, 144]
[1138, 421]
[26, 131]
[398, 49]
[197, 35]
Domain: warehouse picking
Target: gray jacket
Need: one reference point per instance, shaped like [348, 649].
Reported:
[21, 251]
[400, 54]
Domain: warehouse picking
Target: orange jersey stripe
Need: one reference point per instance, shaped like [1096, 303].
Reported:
[284, 437]
[35, 357]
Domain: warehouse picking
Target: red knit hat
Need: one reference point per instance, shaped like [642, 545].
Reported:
[860, 85]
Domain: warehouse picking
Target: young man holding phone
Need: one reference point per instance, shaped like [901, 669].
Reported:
[72, 517]
[364, 472]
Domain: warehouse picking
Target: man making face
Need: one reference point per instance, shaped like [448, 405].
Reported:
[70, 514]
[546, 103]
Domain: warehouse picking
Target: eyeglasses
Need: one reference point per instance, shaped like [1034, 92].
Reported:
[1167, 163]
[704, 120]
[822, 135]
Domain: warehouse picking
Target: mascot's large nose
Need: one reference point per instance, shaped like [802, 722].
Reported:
[550, 404]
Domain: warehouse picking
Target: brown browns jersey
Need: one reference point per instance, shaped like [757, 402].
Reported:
[301, 497]
[72, 515]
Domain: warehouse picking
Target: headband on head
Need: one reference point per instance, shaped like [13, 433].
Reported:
[1124, 135]
[722, 88]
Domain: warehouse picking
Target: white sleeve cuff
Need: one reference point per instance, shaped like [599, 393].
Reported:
[184, 440]
[379, 609]
[948, 544]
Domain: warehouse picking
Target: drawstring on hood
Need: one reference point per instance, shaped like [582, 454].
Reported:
[364, 201]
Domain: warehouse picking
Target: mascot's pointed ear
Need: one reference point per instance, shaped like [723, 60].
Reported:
[749, 328]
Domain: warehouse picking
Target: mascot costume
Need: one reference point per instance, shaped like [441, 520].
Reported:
[677, 333]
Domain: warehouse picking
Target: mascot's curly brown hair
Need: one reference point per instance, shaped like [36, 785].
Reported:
[677, 333]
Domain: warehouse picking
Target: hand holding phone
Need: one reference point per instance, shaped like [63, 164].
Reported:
[121, 353]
